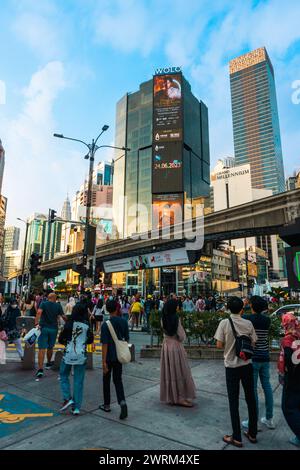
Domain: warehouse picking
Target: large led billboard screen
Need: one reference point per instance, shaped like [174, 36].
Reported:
[167, 172]
[167, 176]
[293, 266]
[167, 210]
[167, 104]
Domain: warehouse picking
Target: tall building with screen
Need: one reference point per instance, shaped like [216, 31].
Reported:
[166, 128]
[256, 130]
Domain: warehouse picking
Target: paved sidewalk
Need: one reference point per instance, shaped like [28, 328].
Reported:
[150, 425]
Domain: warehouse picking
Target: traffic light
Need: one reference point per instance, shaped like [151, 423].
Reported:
[52, 216]
[90, 270]
[35, 262]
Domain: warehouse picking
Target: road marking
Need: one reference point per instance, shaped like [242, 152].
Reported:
[6, 417]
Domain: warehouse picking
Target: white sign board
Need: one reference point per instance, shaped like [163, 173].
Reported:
[150, 260]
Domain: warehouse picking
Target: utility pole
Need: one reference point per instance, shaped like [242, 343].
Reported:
[90, 230]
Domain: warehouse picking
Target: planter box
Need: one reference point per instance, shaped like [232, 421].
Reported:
[196, 352]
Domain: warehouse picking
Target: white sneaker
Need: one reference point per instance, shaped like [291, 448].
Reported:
[245, 424]
[268, 422]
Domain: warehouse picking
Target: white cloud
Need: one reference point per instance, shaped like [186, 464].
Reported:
[203, 37]
[38, 25]
[37, 168]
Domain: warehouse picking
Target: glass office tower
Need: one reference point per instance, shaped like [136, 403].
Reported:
[134, 170]
[255, 119]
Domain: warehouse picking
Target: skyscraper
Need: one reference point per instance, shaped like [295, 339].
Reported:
[66, 213]
[11, 239]
[256, 130]
[166, 128]
[2, 162]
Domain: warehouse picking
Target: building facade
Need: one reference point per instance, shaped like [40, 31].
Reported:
[166, 128]
[255, 119]
[12, 262]
[3, 206]
[11, 239]
[2, 163]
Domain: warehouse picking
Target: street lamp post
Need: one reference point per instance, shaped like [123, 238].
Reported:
[24, 252]
[93, 147]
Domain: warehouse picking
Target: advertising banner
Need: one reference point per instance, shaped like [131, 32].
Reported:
[167, 167]
[167, 107]
[149, 260]
[293, 266]
[167, 176]
[167, 210]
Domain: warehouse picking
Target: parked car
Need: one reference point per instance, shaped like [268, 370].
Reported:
[295, 308]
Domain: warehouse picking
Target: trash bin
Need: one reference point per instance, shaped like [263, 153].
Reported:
[27, 323]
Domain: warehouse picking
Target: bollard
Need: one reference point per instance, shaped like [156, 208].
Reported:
[27, 323]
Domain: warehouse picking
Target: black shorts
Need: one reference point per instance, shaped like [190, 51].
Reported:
[98, 317]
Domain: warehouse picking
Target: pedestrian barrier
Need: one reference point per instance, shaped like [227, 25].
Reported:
[26, 324]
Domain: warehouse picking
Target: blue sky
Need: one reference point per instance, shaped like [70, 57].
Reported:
[66, 63]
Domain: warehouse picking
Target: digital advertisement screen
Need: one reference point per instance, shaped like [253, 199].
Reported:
[293, 266]
[167, 210]
[167, 175]
[167, 107]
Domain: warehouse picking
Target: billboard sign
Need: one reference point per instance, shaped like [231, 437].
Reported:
[150, 260]
[293, 266]
[167, 167]
[167, 107]
[167, 210]
[167, 174]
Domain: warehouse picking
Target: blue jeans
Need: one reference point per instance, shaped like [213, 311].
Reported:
[262, 370]
[79, 373]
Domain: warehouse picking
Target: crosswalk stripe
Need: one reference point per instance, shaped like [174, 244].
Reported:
[57, 347]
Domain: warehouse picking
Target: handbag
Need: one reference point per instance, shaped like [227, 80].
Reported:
[3, 335]
[32, 335]
[243, 345]
[122, 347]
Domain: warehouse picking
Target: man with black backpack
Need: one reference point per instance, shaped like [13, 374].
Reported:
[237, 336]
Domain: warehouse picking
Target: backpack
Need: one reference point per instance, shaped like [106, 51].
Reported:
[243, 345]
[122, 347]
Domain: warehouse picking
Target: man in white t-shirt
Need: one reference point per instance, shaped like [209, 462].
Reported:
[238, 370]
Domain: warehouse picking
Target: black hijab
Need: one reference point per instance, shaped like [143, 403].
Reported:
[170, 318]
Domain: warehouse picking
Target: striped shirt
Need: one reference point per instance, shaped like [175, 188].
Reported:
[261, 325]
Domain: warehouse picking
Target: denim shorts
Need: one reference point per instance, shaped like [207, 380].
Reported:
[47, 338]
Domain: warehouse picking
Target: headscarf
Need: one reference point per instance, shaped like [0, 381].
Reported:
[291, 328]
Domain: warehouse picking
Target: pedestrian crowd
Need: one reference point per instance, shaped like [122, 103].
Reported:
[244, 337]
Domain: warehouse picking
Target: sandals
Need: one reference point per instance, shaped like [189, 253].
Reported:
[104, 408]
[185, 403]
[251, 439]
[229, 440]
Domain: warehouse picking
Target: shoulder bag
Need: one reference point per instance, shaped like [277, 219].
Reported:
[243, 345]
[122, 347]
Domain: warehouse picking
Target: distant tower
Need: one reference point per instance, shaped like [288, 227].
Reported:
[255, 119]
[66, 213]
[2, 161]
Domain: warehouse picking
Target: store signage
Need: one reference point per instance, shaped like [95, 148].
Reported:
[150, 260]
[229, 173]
[161, 71]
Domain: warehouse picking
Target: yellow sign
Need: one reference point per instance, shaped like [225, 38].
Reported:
[11, 418]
